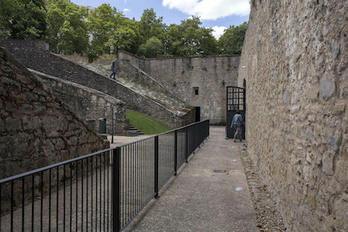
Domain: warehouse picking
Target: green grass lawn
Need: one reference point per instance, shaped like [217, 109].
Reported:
[145, 123]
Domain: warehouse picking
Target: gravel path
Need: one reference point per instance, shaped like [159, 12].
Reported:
[268, 219]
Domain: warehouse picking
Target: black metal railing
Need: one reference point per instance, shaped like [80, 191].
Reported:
[102, 191]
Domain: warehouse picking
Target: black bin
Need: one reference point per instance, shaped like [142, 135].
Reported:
[102, 126]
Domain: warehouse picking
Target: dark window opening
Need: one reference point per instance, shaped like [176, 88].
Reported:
[195, 90]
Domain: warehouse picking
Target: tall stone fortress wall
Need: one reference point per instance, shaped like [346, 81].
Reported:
[294, 63]
[36, 129]
[183, 76]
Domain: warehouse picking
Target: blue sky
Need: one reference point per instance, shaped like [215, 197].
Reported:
[217, 14]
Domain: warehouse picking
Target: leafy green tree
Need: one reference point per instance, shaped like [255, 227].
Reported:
[190, 39]
[22, 19]
[231, 42]
[102, 24]
[152, 48]
[125, 36]
[150, 25]
[173, 40]
[67, 29]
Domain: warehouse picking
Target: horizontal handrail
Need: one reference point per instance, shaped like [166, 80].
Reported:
[163, 133]
[32, 172]
[107, 188]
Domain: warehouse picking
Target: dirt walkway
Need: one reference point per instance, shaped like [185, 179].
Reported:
[210, 194]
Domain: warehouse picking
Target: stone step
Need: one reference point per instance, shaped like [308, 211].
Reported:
[132, 131]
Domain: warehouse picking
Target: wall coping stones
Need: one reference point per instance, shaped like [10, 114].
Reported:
[107, 97]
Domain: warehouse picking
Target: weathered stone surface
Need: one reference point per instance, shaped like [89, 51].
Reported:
[303, 159]
[88, 104]
[34, 124]
[327, 88]
[180, 76]
[57, 66]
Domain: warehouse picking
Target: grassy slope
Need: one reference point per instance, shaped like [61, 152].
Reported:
[145, 123]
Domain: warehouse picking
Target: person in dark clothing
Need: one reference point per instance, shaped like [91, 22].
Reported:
[237, 124]
[113, 69]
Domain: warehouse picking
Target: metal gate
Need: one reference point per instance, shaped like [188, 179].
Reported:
[235, 100]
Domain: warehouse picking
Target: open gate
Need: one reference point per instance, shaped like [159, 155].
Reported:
[235, 100]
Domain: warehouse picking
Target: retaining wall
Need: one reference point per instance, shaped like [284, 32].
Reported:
[295, 64]
[54, 65]
[36, 129]
[88, 104]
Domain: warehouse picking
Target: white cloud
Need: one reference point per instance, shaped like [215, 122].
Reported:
[125, 10]
[218, 31]
[210, 9]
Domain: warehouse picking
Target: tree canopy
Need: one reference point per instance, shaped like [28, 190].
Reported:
[23, 19]
[231, 42]
[69, 28]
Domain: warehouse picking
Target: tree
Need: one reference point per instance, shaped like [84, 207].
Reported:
[102, 24]
[22, 19]
[125, 37]
[189, 39]
[231, 42]
[67, 29]
[150, 26]
[152, 48]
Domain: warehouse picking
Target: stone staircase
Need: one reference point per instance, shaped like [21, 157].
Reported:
[162, 97]
[132, 131]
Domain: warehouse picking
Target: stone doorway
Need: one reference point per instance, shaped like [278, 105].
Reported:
[198, 114]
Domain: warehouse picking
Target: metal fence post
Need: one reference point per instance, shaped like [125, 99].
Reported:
[112, 125]
[186, 145]
[116, 196]
[156, 167]
[175, 152]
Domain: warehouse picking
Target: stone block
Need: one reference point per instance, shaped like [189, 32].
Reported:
[13, 124]
[339, 108]
[327, 88]
[31, 123]
[59, 144]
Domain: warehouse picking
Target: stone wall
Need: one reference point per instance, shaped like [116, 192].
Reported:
[132, 72]
[294, 63]
[36, 129]
[54, 65]
[181, 75]
[88, 104]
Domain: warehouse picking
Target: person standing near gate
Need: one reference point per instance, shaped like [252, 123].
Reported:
[237, 124]
[113, 69]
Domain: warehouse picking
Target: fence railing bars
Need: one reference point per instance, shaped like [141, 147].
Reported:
[102, 191]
